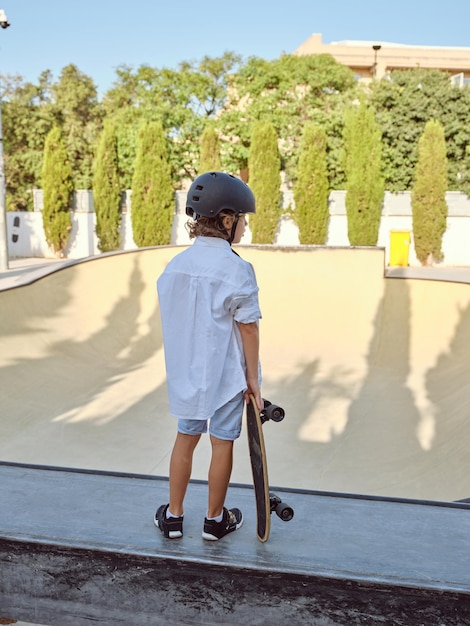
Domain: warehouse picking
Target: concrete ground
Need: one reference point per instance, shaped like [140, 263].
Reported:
[372, 371]
[339, 561]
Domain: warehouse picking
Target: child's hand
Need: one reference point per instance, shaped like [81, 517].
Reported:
[254, 389]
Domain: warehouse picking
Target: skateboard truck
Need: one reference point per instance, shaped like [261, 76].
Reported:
[271, 412]
[282, 510]
[276, 414]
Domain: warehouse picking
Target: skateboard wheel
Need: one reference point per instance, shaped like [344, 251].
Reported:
[284, 512]
[273, 412]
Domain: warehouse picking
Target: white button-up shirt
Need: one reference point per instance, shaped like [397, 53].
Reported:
[203, 291]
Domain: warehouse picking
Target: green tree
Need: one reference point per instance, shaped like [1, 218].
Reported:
[183, 100]
[29, 113]
[57, 184]
[79, 114]
[106, 191]
[209, 81]
[265, 181]
[428, 199]
[287, 92]
[404, 103]
[311, 189]
[365, 185]
[153, 199]
[27, 119]
[149, 95]
[210, 150]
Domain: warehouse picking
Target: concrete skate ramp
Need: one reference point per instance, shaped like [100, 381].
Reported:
[373, 372]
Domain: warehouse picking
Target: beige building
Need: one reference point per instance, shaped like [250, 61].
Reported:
[369, 59]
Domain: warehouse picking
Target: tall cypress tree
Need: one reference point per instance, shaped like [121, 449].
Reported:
[153, 198]
[210, 151]
[264, 164]
[364, 180]
[57, 185]
[428, 196]
[311, 189]
[106, 192]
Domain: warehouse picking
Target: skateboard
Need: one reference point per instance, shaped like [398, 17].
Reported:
[266, 502]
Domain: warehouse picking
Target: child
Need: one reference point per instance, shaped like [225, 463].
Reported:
[209, 308]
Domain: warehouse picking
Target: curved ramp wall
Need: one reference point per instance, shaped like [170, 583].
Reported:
[372, 371]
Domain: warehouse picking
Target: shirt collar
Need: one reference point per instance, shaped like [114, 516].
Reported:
[211, 242]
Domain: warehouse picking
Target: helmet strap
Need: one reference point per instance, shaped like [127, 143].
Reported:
[234, 228]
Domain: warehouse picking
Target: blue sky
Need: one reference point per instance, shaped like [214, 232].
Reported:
[99, 35]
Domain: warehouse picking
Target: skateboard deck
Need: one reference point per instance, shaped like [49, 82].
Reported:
[259, 469]
[266, 502]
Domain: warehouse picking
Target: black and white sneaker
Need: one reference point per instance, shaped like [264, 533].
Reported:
[171, 527]
[231, 520]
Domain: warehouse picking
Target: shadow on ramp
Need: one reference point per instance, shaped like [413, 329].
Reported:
[372, 372]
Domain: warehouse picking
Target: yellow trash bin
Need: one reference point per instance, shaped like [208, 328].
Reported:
[399, 247]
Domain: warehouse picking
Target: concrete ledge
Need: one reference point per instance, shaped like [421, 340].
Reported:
[78, 547]
[445, 274]
[74, 587]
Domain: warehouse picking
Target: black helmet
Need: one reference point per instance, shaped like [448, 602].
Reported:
[212, 192]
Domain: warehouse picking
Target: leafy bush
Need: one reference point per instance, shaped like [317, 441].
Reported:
[153, 201]
[106, 192]
[57, 184]
[364, 181]
[210, 151]
[428, 200]
[265, 180]
[311, 189]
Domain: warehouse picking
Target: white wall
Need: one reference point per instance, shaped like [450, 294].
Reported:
[27, 238]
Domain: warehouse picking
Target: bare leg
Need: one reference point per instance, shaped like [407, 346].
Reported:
[220, 471]
[181, 464]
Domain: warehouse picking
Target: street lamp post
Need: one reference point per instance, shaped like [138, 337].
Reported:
[3, 217]
[3, 213]
[376, 47]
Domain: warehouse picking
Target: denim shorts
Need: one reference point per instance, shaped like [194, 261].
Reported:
[226, 423]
